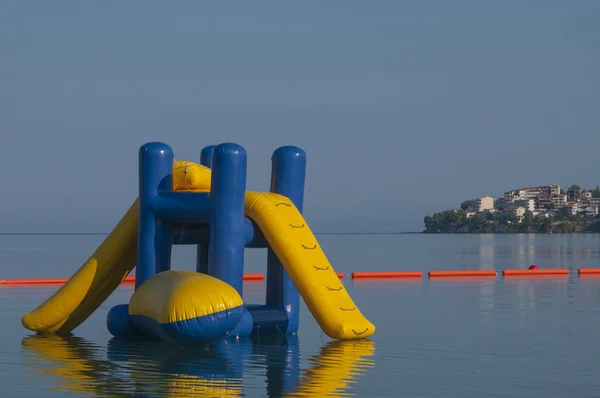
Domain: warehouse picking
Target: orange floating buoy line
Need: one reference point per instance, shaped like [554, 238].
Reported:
[392, 274]
[589, 271]
[127, 280]
[454, 273]
[535, 272]
[532, 271]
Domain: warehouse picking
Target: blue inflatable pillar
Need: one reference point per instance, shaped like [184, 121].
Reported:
[206, 156]
[163, 246]
[227, 239]
[154, 242]
[287, 178]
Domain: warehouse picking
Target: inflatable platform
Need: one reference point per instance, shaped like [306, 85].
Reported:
[207, 205]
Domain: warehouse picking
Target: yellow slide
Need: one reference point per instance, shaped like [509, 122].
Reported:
[296, 247]
[97, 278]
[104, 271]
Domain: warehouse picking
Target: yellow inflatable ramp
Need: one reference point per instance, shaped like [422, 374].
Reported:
[296, 247]
[91, 285]
[106, 268]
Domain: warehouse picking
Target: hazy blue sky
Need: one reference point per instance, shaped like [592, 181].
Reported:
[404, 108]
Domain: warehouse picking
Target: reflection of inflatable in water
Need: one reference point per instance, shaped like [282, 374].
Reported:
[335, 368]
[207, 205]
[147, 367]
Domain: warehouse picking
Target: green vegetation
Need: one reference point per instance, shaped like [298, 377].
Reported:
[549, 218]
[466, 204]
[455, 221]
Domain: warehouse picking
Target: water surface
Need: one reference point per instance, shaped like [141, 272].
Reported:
[494, 337]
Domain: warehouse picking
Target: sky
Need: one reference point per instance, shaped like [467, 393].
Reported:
[404, 108]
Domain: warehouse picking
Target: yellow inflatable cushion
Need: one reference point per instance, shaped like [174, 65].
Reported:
[180, 295]
[189, 176]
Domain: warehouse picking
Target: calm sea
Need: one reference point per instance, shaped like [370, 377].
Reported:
[513, 337]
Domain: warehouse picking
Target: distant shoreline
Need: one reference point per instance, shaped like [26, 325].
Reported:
[543, 209]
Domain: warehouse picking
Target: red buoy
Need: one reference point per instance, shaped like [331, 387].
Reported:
[533, 266]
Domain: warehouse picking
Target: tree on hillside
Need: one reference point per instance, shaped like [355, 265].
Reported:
[528, 218]
[466, 204]
[595, 192]
[511, 218]
[574, 187]
[429, 223]
[447, 221]
[477, 222]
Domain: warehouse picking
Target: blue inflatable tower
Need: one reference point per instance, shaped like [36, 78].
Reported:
[215, 221]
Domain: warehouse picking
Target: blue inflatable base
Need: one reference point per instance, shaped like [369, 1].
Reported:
[119, 323]
[204, 329]
[243, 321]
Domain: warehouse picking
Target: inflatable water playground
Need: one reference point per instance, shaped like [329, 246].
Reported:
[206, 204]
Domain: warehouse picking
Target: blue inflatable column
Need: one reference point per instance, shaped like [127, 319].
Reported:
[206, 156]
[227, 238]
[154, 236]
[287, 178]
[163, 245]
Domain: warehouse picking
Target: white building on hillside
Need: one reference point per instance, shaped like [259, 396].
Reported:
[532, 192]
[571, 208]
[590, 211]
[594, 201]
[517, 211]
[559, 200]
[482, 203]
[555, 201]
[528, 204]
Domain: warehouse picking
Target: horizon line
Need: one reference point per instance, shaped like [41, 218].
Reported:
[107, 233]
